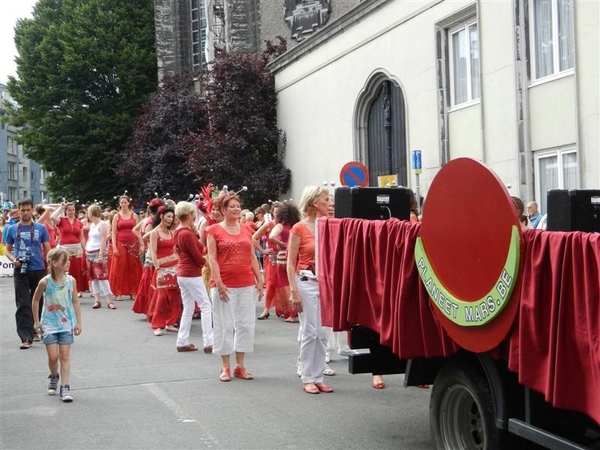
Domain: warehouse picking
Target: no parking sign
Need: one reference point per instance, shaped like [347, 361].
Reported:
[354, 174]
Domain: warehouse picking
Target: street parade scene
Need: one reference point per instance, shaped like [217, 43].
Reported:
[321, 224]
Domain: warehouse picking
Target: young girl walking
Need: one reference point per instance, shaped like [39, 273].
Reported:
[61, 319]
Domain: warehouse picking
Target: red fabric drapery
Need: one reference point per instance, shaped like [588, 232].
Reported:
[368, 276]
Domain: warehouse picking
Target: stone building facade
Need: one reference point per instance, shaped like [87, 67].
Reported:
[186, 30]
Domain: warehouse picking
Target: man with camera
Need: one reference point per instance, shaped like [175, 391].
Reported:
[24, 249]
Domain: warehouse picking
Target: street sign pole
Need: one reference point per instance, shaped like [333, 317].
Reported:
[417, 167]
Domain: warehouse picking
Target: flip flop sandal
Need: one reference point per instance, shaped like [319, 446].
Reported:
[187, 348]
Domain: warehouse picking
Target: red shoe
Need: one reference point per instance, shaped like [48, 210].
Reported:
[240, 372]
[187, 348]
[322, 387]
[225, 374]
[310, 388]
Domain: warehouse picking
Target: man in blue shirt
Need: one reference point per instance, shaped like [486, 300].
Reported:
[24, 248]
[534, 214]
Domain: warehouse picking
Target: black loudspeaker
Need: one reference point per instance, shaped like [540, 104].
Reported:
[372, 203]
[573, 210]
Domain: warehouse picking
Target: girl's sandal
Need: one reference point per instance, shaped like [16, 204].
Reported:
[97, 305]
[111, 305]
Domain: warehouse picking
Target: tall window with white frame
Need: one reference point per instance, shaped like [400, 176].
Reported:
[198, 33]
[555, 169]
[551, 37]
[463, 47]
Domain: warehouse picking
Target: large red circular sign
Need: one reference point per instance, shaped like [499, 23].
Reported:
[468, 232]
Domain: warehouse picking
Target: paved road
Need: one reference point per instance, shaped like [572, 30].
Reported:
[134, 391]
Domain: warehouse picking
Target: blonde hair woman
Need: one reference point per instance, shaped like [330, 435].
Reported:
[305, 290]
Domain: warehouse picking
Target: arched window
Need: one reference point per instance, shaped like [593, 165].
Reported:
[380, 120]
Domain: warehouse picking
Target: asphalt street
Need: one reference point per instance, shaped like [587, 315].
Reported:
[133, 390]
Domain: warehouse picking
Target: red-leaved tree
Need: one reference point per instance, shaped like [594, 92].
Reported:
[227, 135]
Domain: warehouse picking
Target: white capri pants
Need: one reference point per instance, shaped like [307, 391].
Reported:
[234, 321]
[313, 336]
[193, 290]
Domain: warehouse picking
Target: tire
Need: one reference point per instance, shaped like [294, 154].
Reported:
[461, 410]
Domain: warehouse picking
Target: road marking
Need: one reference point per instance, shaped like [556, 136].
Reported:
[180, 413]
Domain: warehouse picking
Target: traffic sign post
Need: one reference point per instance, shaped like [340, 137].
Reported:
[417, 167]
[354, 174]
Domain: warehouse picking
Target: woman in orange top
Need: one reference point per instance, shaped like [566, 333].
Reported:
[125, 265]
[305, 290]
[235, 273]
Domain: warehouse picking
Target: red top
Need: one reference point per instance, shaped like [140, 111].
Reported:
[190, 251]
[125, 227]
[251, 226]
[165, 247]
[51, 233]
[234, 256]
[70, 233]
[306, 250]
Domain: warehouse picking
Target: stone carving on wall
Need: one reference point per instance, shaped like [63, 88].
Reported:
[305, 16]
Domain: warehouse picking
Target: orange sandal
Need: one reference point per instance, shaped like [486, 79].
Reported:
[225, 374]
[322, 387]
[311, 388]
[240, 372]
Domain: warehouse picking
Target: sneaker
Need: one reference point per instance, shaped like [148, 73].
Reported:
[52, 384]
[65, 393]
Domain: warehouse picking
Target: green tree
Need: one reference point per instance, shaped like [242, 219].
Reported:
[84, 69]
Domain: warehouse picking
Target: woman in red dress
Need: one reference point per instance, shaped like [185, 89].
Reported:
[269, 251]
[166, 301]
[73, 241]
[145, 290]
[287, 216]
[125, 266]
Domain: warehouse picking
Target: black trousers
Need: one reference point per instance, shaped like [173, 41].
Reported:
[25, 285]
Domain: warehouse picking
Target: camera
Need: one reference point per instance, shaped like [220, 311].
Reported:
[24, 262]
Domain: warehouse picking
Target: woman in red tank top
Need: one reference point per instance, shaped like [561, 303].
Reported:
[125, 266]
[72, 240]
[166, 305]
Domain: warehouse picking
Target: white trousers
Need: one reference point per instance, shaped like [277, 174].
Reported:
[234, 320]
[193, 291]
[337, 341]
[313, 336]
[100, 287]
